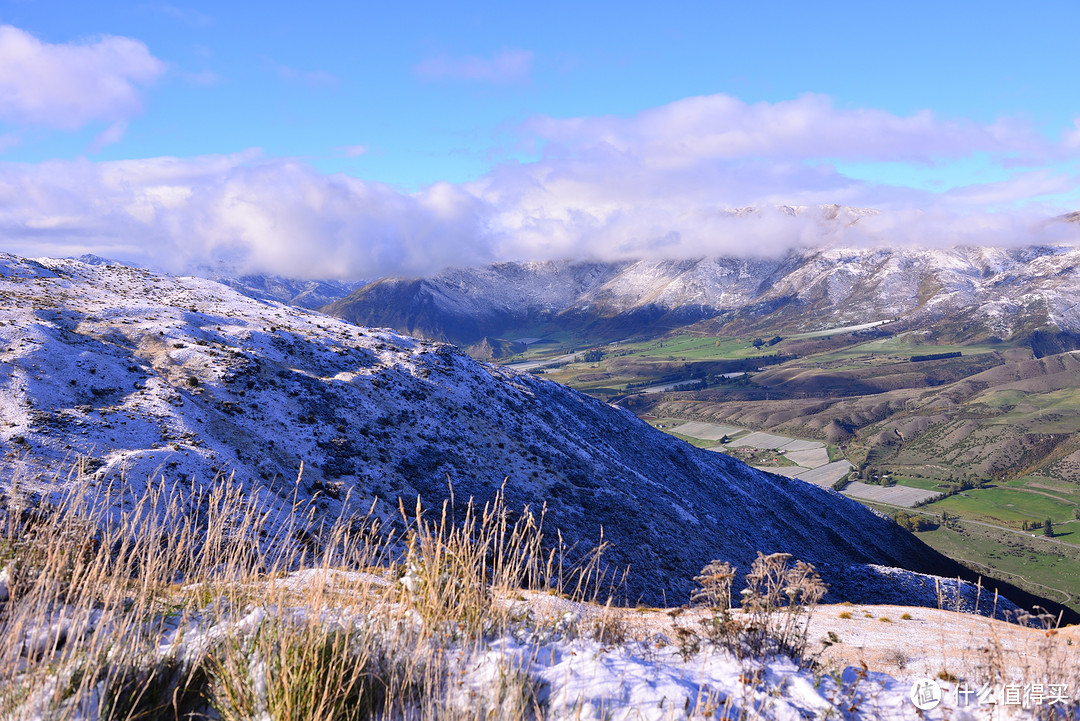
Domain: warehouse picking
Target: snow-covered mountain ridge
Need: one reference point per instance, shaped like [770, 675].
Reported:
[148, 375]
[1001, 292]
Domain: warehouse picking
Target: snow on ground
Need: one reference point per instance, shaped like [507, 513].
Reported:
[651, 671]
[139, 375]
[868, 674]
[586, 679]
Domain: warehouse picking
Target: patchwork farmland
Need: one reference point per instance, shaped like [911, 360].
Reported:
[891, 495]
[792, 457]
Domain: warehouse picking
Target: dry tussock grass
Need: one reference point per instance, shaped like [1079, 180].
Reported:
[189, 599]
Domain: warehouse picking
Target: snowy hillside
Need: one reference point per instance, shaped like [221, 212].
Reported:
[140, 375]
[304, 293]
[1001, 292]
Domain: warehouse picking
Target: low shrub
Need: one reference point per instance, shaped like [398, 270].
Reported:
[776, 605]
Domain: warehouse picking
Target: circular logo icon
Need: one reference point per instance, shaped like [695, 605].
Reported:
[925, 694]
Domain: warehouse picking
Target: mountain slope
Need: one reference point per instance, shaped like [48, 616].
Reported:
[965, 293]
[142, 375]
[303, 293]
[468, 304]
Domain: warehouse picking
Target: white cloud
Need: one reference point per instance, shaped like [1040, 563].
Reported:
[70, 85]
[1030, 184]
[1071, 138]
[262, 215]
[724, 127]
[508, 66]
[661, 183]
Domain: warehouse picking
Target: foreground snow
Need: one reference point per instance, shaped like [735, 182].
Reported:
[651, 674]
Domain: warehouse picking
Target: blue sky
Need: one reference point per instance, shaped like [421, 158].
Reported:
[393, 138]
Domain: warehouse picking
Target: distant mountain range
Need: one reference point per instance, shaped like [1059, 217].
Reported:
[303, 293]
[963, 294]
[311, 294]
[143, 375]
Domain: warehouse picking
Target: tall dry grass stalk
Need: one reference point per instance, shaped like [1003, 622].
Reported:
[780, 596]
[1037, 672]
[185, 599]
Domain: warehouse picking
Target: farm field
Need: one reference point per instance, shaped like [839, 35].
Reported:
[763, 440]
[1007, 506]
[788, 471]
[811, 457]
[807, 460]
[894, 495]
[996, 415]
[828, 474]
[695, 347]
[706, 431]
[924, 483]
[1051, 570]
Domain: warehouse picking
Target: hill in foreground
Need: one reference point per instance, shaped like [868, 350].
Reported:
[143, 375]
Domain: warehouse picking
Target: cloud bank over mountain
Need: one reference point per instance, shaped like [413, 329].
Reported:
[663, 182]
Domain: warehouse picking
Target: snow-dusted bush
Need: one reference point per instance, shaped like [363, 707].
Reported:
[776, 604]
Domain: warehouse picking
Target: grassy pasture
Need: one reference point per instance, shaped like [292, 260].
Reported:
[1068, 532]
[549, 345]
[1033, 563]
[1038, 565]
[1017, 405]
[593, 377]
[679, 347]
[1043, 566]
[1065, 489]
[925, 484]
[694, 347]
[1010, 506]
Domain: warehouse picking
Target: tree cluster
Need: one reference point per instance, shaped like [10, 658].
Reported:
[914, 522]
[759, 342]
[593, 356]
